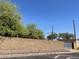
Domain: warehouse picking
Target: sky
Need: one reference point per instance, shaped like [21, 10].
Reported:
[48, 13]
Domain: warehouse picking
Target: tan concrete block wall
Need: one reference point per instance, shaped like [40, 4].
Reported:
[30, 45]
[76, 45]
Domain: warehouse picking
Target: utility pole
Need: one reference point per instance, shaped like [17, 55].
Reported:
[74, 29]
[75, 34]
[52, 30]
[52, 33]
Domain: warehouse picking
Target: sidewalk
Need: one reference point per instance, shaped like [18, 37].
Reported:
[74, 50]
[35, 54]
[30, 54]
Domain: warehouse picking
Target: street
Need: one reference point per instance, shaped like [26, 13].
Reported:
[51, 56]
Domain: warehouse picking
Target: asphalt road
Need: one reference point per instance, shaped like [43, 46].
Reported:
[52, 56]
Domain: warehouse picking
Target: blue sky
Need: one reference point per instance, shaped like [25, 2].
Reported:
[45, 13]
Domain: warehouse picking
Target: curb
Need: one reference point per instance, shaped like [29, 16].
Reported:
[32, 54]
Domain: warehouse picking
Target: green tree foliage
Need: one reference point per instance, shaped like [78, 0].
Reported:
[40, 34]
[9, 19]
[66, 35]
[34, 32]
[10, 23]
[52, 36]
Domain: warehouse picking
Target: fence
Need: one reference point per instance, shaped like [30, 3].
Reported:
[23, 45]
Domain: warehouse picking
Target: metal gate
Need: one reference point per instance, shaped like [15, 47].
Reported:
[68, 45]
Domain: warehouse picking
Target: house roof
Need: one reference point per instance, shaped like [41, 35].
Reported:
[68, 40]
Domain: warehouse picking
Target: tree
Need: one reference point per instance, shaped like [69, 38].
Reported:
[23, 32]
[66, 35]
[31, 29]
[10, 24]
[40, 34]
[34, 32]
[52, 36]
